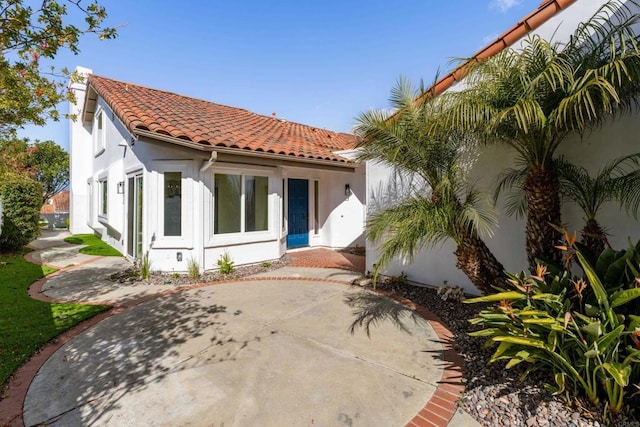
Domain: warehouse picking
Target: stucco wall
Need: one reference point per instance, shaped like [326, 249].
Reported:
[616, 138]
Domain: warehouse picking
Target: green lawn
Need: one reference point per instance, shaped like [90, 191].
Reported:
[95, 245]
[26, 324]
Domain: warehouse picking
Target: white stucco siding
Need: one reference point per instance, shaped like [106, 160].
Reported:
[617, 137]
[81, 164]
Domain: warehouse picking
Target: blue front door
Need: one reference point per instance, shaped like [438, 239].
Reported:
[298, 203]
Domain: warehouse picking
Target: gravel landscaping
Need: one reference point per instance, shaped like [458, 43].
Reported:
[132, 275]
[494, 395]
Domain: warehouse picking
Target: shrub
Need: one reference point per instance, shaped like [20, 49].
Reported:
[145, 267]
[579, 328]
[225, 263]
[193, 269]
[21, 202]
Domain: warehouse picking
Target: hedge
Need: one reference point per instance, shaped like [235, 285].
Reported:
[21, 202]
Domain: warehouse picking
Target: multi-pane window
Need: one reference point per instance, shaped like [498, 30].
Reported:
[240, 203]
[104, 196]
[173, 203]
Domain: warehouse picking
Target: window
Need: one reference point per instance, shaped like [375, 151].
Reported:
[240, 203]
[256, 211]
[316, 210]
[99, 133]
[283, 204]
[104, 196]
[173, 203]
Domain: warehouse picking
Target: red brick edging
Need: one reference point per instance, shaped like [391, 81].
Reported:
[437, 411]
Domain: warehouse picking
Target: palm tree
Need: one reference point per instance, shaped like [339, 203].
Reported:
[618, 180]
[534, 98]
[443, 207]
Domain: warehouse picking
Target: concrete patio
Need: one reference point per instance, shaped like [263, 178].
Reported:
[290, 347]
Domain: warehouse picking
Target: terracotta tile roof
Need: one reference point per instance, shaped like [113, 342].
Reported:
[204, 122]
[535, 19]
[59, 203]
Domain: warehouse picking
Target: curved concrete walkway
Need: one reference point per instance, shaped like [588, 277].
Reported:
[270, 352]
[299, 349]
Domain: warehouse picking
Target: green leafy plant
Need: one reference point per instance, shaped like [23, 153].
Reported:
[266, 264]
[579, 328]
[225, 263]
[175, 275]
[193, 269]
[533, 98]
[21, 211]
[145, 267]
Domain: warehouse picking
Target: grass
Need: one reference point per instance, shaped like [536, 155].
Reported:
[95, 246]
[27, 324]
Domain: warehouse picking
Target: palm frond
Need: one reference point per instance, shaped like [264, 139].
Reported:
[511, 183]
[478, 213]
[405, 228]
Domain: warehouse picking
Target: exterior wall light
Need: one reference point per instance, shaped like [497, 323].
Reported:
[120, 187]
[347, 190]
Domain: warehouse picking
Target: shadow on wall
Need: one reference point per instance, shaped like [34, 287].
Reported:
[126, 354]
[397, 188]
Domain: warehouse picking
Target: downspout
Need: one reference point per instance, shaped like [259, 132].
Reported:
[205, 166]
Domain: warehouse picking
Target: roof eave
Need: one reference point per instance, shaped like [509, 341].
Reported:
[240, 152]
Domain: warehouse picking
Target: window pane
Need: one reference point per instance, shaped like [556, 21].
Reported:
[173, 203]
[99, 132]
[255, 203]
[226, 209]
[316, 209]
[104, 197]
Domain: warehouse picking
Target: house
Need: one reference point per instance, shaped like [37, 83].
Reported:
[56, 210]
[553, 20]
[185, 180]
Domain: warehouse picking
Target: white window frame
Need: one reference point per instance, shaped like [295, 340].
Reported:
[103, 195]
[99, 138]
[185, 240]
[90, 202]
[315, 195]
[242, 236]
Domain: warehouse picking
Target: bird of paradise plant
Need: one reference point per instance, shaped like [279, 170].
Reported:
[577, 328]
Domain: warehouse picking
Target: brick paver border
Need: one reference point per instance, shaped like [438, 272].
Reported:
[437, 411]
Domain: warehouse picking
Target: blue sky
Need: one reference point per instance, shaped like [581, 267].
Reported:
[315, 62]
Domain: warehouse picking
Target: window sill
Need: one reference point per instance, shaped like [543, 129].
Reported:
[239, 239]
[172, 243]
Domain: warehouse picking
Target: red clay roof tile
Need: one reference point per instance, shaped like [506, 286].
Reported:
[205, 122]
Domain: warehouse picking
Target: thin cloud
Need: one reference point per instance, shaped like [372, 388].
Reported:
[503, 5]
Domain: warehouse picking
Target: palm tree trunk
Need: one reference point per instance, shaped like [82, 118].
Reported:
[480, 265]
[542, 189]
[593, 237]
